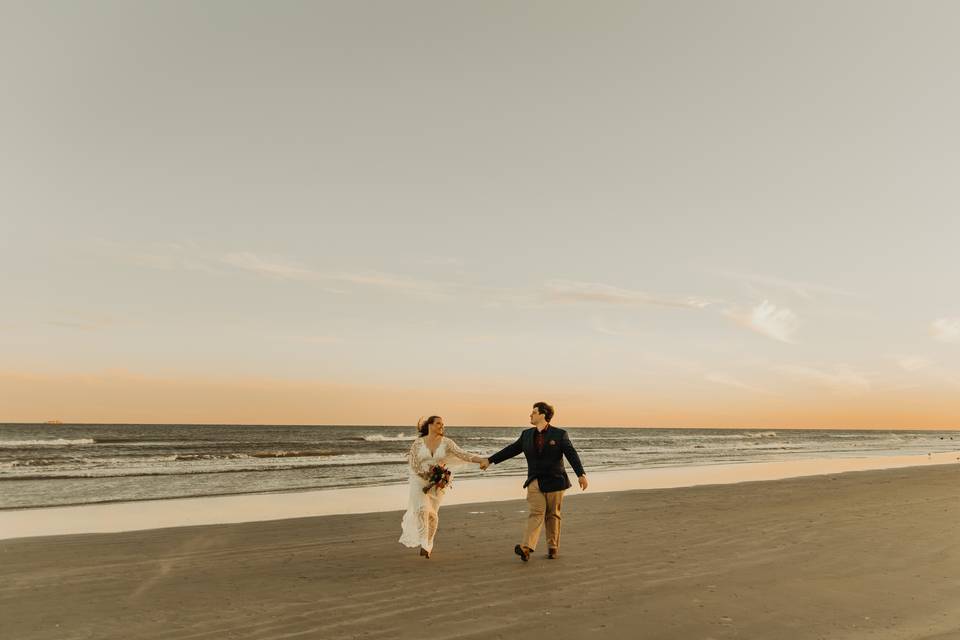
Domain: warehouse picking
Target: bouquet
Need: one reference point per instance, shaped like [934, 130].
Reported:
[438, 476]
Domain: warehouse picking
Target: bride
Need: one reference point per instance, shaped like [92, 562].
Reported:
[420, 522]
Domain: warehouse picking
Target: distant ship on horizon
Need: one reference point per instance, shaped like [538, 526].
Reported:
[53, 422]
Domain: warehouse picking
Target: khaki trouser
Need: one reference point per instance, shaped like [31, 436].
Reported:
[544, 508]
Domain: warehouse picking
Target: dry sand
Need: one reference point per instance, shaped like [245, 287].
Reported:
[872, 554]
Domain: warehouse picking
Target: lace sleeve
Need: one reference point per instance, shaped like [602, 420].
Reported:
[456, 452]
[414, 461]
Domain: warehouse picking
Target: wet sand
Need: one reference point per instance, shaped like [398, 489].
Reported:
[872, 554]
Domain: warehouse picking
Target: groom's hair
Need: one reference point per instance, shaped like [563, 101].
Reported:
[545, 409]
[425, 427]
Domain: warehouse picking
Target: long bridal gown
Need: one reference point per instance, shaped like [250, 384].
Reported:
[419, 525]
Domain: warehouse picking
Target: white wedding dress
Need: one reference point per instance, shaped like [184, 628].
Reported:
[419, 525]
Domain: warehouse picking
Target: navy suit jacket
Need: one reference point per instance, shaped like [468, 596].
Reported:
[546, 467]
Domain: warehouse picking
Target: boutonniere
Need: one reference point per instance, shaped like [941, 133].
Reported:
[553, 442]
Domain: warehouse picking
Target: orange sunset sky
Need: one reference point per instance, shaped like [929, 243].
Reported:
[123, 397]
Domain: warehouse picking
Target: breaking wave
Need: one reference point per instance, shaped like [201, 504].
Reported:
[57, 442]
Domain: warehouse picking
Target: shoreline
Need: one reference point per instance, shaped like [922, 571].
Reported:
[870, 555]
[112, 517]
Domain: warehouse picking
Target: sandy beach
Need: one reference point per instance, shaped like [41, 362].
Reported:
[872, 554]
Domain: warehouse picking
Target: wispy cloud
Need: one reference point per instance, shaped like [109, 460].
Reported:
[600, 325]
[946, 329]
[572, 291]
[92, 325]
[82, 321]
[842, 380]
[172, 257]
[319, 339]
[391, 281]
[805, 290]
[491, 297]
[251, 262]
[185, 257]
[246, 261]
[442, 261]
[767, 319]
[913, 363]
[730, 381]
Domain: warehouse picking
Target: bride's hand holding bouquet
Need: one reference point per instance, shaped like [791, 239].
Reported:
[438, 477]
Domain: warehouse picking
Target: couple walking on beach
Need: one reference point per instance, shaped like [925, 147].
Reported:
[544, 447]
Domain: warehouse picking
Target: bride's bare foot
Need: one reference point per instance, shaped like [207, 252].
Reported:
[424, 553]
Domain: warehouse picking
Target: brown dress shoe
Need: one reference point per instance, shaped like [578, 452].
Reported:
[424, 553]
[552, 553]
[522, 551]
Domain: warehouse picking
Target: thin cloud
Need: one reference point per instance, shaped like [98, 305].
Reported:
[769, 320]
[390, 281]
[842, 380]
[175, 257]
[911, 364]
[572, 291]
[251, 262]
[600, 326]
[618, 329]
[946, 329]
[730, 381]
[442, 261]
[805, 290]
[490, 297]
[92, 325]
[319, 339]
[180, 257]
[83, 321]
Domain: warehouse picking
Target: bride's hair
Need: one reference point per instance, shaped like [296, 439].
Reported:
[424, 425]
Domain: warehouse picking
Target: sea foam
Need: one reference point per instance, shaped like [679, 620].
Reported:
[58, 442]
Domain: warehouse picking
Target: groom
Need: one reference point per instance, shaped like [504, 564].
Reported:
[544, 447]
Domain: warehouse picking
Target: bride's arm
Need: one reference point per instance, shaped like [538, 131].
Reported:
[456, 451]
[414, 460]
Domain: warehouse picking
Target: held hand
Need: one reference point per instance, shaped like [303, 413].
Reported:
[583, 482]
[484, 464]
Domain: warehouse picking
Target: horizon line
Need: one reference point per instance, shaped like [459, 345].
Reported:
[464, 426]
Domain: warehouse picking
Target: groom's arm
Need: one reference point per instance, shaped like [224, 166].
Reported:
[507, 452]
[574, 459]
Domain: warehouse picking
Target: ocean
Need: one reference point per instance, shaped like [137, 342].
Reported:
[69, 464]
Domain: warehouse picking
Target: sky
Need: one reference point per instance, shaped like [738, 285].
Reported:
[675, 214]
